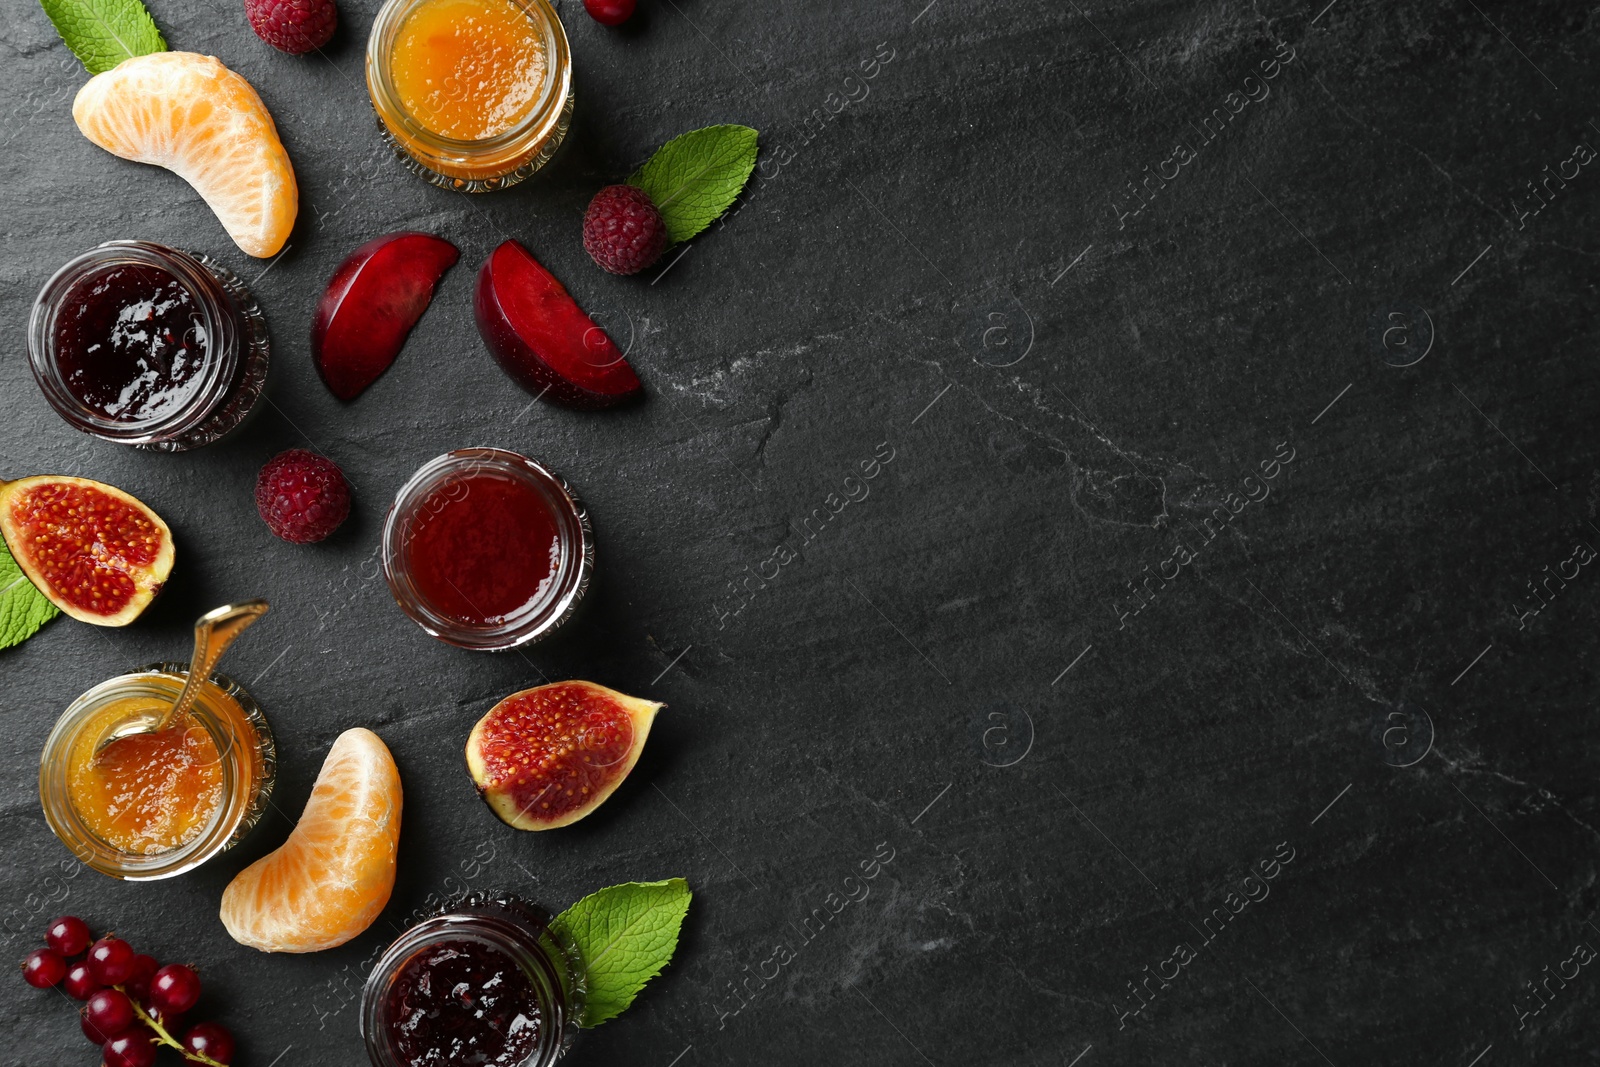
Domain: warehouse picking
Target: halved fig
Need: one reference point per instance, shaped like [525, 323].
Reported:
[542, 338]
[371, 303]
[98, 553]
[548, 756]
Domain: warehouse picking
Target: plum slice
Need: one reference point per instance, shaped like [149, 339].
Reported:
[371, 303]
[542, 338]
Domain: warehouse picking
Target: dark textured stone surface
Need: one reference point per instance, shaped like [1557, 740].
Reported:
[942, 667]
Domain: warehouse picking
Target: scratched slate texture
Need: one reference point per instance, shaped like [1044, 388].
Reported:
[1226, 377]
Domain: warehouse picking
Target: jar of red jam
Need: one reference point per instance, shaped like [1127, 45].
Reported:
[486, 982]
[486, 549]
[149, 346]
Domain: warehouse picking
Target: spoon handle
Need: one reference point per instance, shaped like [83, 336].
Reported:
[213, 633]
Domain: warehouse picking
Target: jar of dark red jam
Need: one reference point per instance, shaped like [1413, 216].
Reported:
[149, 346]
[486, 549]
[485, 983]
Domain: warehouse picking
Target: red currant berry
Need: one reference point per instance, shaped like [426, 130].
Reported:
[110, 1012]
[80, 983]
[68, 935]
[174, 989]
[210, 1040]
[137, 984]
[111, 960]
[95, 1035]
[133, 1048]
[609, 12]
[43, 968]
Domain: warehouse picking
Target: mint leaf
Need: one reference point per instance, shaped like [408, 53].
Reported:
[626, 934]
[23, 609]
[695, 176]
[102, 33]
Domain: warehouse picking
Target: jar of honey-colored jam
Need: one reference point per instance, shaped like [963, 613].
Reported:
[472, 94]
[152, 805]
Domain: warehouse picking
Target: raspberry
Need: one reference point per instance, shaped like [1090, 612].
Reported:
[622, 230]
[292, 26]
[302, 496]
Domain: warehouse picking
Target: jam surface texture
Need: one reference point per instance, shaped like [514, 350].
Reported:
[463, 1004]
[484, 547]
[130, 342]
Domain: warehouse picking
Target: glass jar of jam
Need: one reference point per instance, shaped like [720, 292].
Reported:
[486, 983]
[155, 805]
[148, 346]
[486, 549]
[471, 94]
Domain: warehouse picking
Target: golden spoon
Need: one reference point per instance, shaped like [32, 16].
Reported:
[213, 633]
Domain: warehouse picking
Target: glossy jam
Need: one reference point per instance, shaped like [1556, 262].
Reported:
[149, 793]
[468, 69]
[484, 547]
[462, 1003]
[130, 341]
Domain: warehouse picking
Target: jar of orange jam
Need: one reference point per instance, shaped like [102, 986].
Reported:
[157, 804]
[471, 94]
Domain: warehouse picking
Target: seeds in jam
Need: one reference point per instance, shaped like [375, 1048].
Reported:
[463, 1004]
[130, 342]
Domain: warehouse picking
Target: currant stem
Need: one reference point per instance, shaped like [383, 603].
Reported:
[166, 1038]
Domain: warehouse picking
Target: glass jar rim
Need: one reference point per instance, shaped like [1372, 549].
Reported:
[574, 535]
[552, 95]
[213, 303]
[233, 816]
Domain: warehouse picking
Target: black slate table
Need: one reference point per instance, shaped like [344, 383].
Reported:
[1181, 657]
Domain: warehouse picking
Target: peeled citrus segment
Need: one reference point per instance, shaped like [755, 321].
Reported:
[200, 120]
[334, 874]
[97, 553]
[548, 756]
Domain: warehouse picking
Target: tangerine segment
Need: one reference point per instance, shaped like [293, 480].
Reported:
[331, 878]
[97, 553]
[548, 756]
[206, 124]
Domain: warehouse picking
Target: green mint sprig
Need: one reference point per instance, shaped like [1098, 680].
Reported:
[694, 177]
[23, 609]
[103, 33]
[625, 934]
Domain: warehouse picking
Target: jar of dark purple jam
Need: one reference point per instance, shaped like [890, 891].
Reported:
[485, 983]
[150, 346]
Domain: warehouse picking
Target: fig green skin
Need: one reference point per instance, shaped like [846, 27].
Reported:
[542, 338]
[372, 301]
[513, 804]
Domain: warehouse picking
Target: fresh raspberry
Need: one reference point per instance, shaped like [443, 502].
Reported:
[302, 496]
[622, 230]
[292, 26]
[609, 12]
